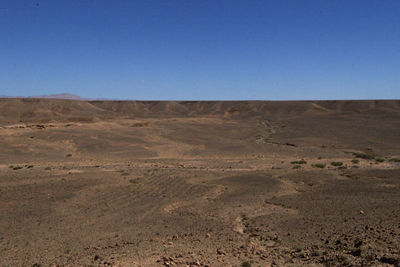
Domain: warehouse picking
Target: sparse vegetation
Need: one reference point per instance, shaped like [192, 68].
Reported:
[358, 252]
[298, 249]
[296, 167]
[17, 168]
[394, 160]
[318, 253]
[380, 160]
[355, 161]
[299, 162]
[363, 155]
[246, 264]
[336, 163]
[29, 166]
[319, 165]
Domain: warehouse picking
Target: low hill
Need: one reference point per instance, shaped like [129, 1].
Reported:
[14, 110]
[59, 96]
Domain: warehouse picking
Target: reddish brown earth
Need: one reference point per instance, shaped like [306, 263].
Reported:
[114, 183]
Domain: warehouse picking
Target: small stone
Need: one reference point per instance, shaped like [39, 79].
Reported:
[220, 252]
[97, 257]
[270, 243]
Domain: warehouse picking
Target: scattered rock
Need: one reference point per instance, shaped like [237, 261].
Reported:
[357, 252]
[97, 257]
[290, 144]
[221, 252]
[390, 260]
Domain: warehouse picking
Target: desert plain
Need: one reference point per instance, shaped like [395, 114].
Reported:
[199, 183]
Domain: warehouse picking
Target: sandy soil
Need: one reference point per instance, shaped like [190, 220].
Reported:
[94, 183]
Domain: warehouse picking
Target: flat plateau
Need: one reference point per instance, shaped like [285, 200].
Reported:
[142, 183]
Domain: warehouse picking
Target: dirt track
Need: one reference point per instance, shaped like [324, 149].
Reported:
[199, 183]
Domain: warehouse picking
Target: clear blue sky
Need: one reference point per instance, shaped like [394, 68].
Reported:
[200, 49]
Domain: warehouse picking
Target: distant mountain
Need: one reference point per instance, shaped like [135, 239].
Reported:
[59, 96]
[54, 96]
[7, 96]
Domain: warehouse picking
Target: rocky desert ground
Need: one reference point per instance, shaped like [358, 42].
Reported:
[152, 183]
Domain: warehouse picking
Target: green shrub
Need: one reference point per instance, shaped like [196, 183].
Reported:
[246, 264]
[296, 167]
[299, 162]
[355, 161]
[319, 165]
[363, 155]
[380, 160]
[17, 168]
[298, 249]
[394, 160]
[336, 163]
